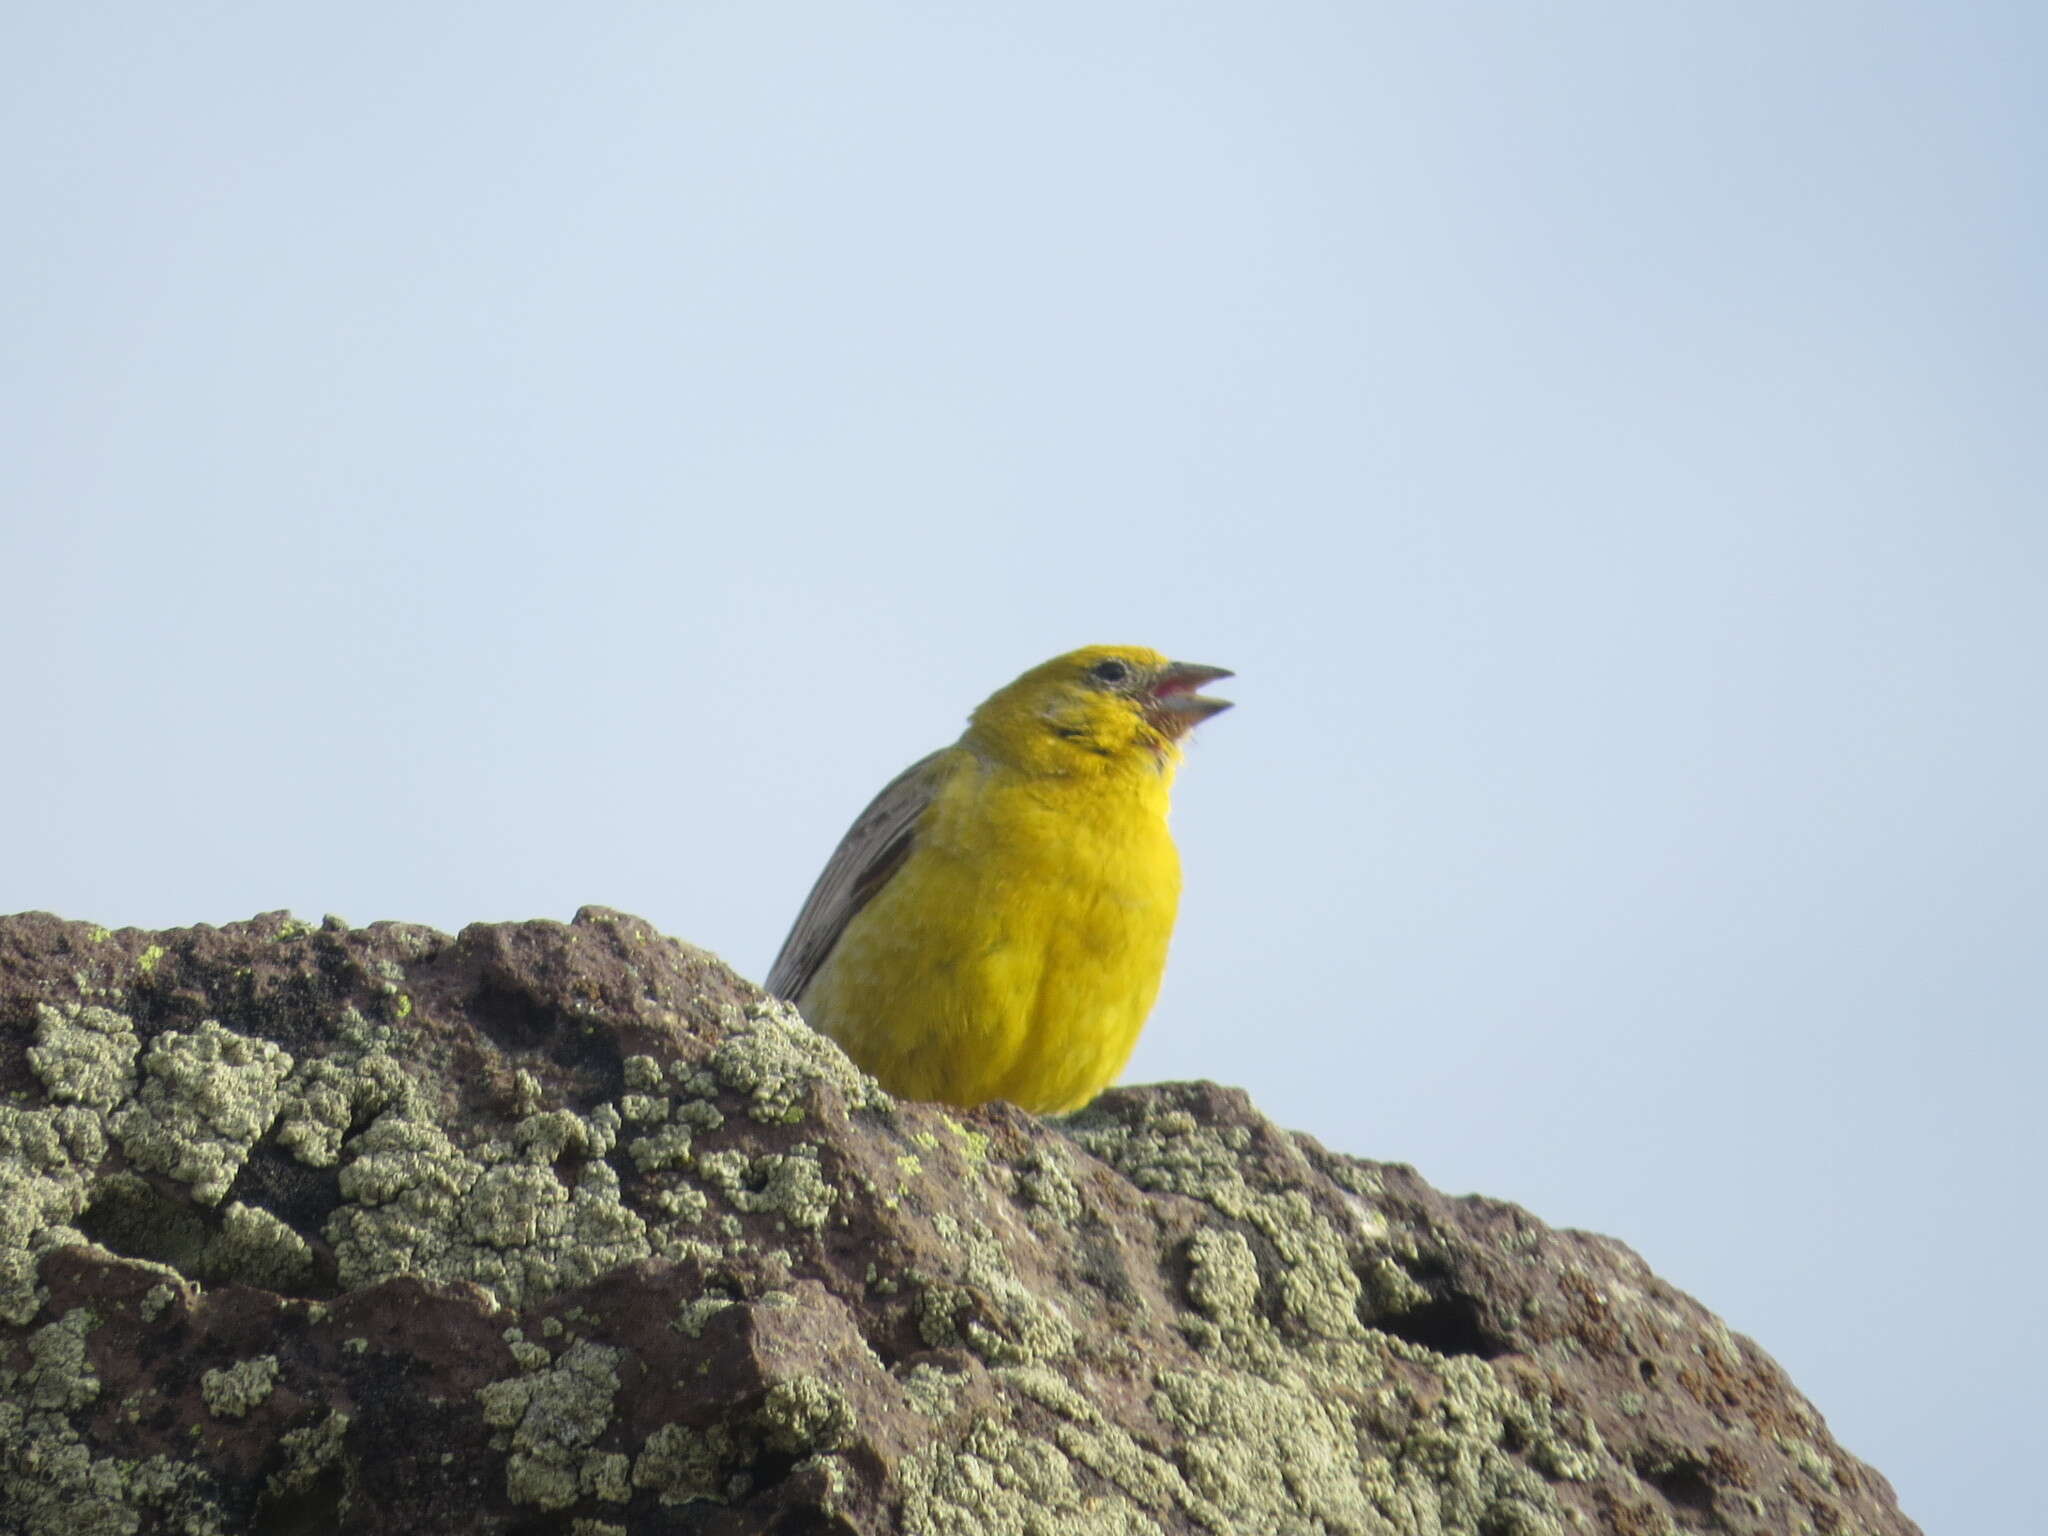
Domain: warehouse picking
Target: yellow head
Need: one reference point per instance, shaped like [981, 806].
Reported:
[1101, 709]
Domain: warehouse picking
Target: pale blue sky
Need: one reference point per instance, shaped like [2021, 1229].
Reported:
[467, 461]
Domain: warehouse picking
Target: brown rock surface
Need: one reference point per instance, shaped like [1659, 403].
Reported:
[566, 1228]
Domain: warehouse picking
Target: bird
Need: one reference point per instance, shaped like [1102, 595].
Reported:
[995, 924]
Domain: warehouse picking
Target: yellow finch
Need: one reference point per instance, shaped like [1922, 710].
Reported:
[994, 926]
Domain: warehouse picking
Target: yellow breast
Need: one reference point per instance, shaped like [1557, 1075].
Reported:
[1017, 952]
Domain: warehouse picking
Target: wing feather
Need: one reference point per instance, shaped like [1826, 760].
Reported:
[873, 849]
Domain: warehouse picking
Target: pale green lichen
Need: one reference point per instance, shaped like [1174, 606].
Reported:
[235, 1390]
[553, 1420]
[691, 1316]
[256, 1248]
[43, 1186]
[681, 1463]
[1248, 1455]
[1808, 1458]
[1319, 1291]
[1450, 1458]
[1168, 1149]
[421, 1205]
[1262, 1451]
[701, 1115]
[642, 1074]
[52, 1485]
[84, 1055]
[206, 1096]
[772, 1058]
[1567, 1447]
[994, 1481]
[1107, 1450]
[155, 1300]
[933, 1392]
[974, 1145]
[531, 1356]
[550, 1135]
[61, 1377]
[1223, 1276]
[1045, 1181]
[666, 1148]
[324, 1096]
[687, 1204]
[938, 1305]
[1391, 1290]
[514, 1206]
[1315, 1283]
[607, 1475]
[526, 1092]
[806, 1415]
[786, 1185]
[990, 1310]
[309, 1455]
[1270, 1435]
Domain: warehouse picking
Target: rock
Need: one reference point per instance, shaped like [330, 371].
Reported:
[567, 1228]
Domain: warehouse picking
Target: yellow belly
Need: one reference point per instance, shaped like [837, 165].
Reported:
[1017, 952]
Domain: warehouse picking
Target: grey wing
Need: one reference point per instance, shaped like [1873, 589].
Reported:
[873, 849]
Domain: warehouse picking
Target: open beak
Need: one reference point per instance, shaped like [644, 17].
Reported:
[1172, 704]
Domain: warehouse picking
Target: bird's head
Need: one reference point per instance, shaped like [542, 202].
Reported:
[1096, 709]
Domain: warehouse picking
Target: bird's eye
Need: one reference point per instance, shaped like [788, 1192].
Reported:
[1111, 671]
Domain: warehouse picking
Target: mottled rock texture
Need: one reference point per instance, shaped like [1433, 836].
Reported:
[566, 1228]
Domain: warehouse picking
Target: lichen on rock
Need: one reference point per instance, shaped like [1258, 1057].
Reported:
[84, 1054]
[206, 1096]
[679, 1463]
[327, 1095]
[421, 1205]
[231, 1392]
[381, 1230]
[803, 1415]
[61, 1376]
[787, 1185]
[553, 1418]
[257, 1247]
[44, 1155]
